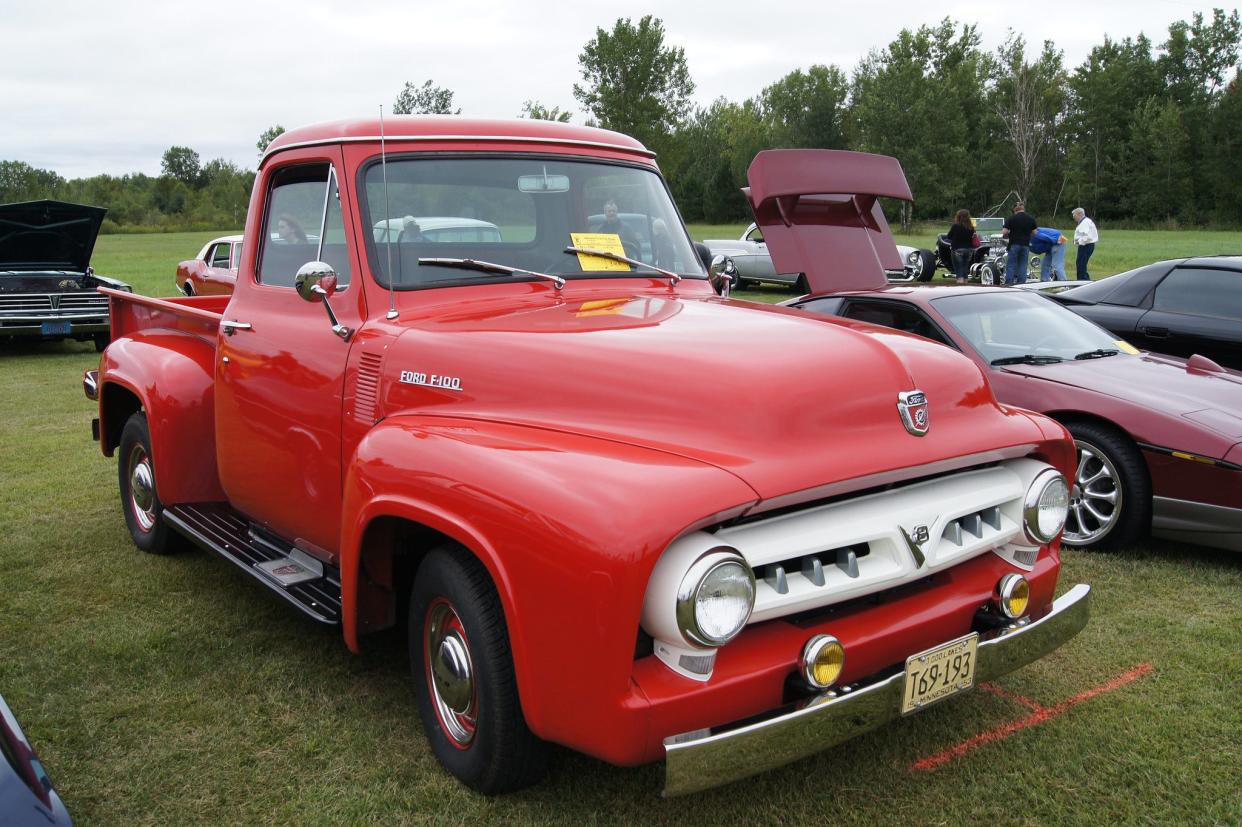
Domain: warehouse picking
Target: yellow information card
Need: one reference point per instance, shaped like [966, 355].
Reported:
[1126, 347]
[607, 242]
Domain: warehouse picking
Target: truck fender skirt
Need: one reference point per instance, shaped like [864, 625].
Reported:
[569, 528]
[171, 374]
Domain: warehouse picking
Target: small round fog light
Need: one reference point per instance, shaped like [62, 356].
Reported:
[823, 658]
[1012, 595]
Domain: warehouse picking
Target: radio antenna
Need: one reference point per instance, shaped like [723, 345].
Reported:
[392, 298]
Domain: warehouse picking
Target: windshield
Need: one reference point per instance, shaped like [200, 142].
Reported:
[519, 213]
[1008, 325]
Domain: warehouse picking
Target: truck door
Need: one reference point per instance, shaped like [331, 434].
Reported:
[280, 367]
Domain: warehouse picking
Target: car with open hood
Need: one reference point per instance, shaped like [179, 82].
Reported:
[613, 510]
[1159, 439]
[48, 290]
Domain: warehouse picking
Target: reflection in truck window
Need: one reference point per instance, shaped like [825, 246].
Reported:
[304, 224]
[495, 210]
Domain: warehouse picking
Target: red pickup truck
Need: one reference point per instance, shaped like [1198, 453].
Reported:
[617, 511]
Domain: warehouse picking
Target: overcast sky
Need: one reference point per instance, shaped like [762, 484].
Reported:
[94, 87]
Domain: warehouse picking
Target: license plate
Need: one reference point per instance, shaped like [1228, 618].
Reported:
[939, 672]
[55, 328]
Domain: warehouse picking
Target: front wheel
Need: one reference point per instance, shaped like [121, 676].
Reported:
[925, 265]
[464, 678]
[139, 500]
[1110, 501]
[988, 274]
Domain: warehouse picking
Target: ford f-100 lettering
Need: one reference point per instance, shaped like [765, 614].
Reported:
[538, 447]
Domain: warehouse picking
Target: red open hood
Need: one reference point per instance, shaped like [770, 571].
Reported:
[820, 215]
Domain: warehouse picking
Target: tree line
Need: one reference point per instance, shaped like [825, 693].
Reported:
[1140, 131]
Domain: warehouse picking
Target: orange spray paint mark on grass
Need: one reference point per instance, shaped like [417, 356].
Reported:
[1040, 714]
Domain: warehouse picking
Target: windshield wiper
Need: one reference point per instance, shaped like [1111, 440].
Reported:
[489, 267]
[1027, 359]
[608, 254]
[1098, 353]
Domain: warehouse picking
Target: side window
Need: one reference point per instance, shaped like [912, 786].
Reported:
[897, 315]
[237, 253]
[303, 223]
[218, 256]
[755, 235]
[1215, 293]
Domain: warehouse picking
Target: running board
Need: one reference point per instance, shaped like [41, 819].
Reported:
[302, 580]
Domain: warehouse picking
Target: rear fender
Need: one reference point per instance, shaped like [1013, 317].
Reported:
[569, 528]
[171, 374]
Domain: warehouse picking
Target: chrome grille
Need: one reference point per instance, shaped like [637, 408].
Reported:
[26, 303]
[85, 301]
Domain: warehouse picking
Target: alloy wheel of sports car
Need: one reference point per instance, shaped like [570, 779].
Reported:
[1110, 502]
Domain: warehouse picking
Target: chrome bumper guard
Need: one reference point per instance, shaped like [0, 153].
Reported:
[707, 758]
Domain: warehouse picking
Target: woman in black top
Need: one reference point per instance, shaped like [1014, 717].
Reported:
[962, 243]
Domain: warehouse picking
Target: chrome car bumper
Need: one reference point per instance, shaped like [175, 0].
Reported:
[706, 758]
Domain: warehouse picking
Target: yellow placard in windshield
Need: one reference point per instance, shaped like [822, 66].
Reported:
[1126, 347]
[607, 242]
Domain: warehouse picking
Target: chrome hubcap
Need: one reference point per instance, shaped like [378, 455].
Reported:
[450, 672]
[141, 488]
[1095, 499]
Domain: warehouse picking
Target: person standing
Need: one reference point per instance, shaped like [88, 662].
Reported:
[1018, 228]
[1050, 244]
[1085, 236]
[961, 237]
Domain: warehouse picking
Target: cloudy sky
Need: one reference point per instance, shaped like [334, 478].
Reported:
[92, 87]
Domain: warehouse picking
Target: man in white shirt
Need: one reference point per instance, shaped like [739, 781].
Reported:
[1085, 236]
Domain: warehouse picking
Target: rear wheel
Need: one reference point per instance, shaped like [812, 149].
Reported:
[989, 274]
[464, 678]
[926, 265]
[139, 500]
[1110, 501]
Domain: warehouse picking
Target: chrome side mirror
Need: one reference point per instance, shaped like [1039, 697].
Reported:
[723, 274]
[316, 281]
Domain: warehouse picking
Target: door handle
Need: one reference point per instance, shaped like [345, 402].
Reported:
[230, 327]
[1156, 332]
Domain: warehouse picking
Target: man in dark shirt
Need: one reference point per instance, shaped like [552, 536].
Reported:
[612, 223]
[1018, 228]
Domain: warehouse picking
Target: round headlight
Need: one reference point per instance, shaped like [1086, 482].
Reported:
[1013, 594]
[715, 599]
[823, 658]
[1047, 504]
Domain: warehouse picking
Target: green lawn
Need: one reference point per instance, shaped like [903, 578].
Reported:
[172, 691]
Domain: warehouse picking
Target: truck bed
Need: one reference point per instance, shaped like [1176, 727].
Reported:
[197, 315]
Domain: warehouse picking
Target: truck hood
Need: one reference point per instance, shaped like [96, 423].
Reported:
[786, 401]
[48, 235]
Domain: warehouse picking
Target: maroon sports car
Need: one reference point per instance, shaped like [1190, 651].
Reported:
[1160, 438]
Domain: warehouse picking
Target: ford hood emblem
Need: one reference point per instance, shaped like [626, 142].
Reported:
[912, 405]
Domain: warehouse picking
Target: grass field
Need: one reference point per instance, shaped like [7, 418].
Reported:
[173, 691]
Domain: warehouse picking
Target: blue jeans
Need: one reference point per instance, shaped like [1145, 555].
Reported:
[1052, 266]
[961, 261]
[1084, 255]
[1015, 264]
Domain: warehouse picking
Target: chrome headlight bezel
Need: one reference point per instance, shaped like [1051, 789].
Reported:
[1043, 483]
[692, 582]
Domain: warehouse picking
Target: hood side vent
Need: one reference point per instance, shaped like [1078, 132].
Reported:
[366, 391]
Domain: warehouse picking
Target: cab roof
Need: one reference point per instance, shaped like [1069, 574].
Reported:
[405, 128]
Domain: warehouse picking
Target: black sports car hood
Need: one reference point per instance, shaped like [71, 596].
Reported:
[48, 235]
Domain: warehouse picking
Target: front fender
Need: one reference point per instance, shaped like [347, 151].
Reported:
[568, 526]
[171, 374]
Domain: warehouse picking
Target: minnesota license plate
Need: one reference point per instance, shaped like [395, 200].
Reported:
[55, 328]
[937, 673]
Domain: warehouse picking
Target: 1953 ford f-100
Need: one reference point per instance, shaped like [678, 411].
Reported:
[540, 449]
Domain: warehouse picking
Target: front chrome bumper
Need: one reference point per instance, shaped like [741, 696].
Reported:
[707, 758]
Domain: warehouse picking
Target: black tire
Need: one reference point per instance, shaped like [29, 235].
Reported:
[927, 265]
[144, 513]
[989, 274]
[101, 341]
[475, 725]
[802, 286]
[1118, 478]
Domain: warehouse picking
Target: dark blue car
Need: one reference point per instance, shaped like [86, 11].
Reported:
[27, 797]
